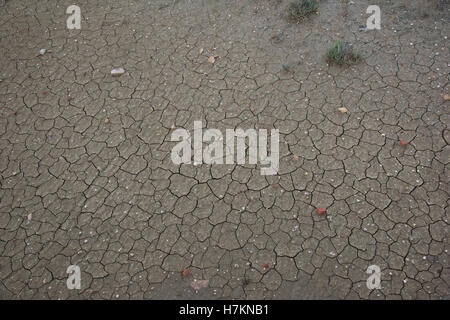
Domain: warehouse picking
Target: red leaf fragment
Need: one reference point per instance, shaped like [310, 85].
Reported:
[321, 210]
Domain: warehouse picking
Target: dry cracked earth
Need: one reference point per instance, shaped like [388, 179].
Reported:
[86, 175]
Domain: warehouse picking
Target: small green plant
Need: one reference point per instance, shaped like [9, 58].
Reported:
[342, 53]
[299, 9]
[286, 67]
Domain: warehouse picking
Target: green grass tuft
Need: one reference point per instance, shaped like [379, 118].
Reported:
[299, 9]
[342, 53]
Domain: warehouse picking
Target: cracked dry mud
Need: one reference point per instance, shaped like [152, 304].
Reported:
[86, 176]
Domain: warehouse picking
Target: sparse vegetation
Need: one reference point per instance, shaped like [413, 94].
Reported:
[299, 9]
[342, 53]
